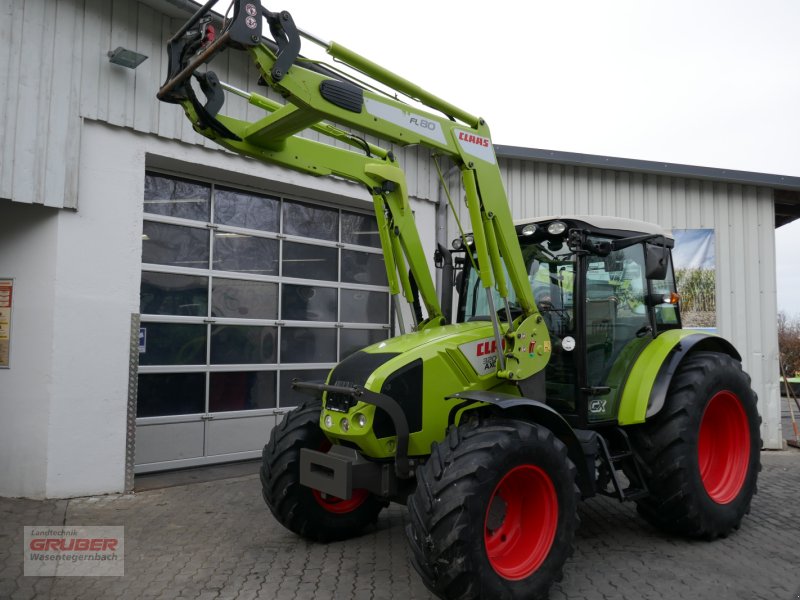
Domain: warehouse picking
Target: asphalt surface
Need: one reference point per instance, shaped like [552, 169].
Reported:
[216, 540]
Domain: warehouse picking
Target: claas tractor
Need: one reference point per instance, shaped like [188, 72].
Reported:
[563, 372]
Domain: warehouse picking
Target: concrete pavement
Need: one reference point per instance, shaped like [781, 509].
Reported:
[217, 540]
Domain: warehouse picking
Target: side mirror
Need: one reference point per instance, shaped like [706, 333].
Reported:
[656, 261]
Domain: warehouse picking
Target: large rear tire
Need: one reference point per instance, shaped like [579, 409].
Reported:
[700, 454]
[300, 509]
[494, 513]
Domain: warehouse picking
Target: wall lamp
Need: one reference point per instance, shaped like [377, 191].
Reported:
[125, 58]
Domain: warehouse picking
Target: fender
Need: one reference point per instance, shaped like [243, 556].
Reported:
[533, 411]
[647, 384]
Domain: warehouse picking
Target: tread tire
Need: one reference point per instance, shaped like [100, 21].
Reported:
[447, 513]
[667, 447]
[294, 505]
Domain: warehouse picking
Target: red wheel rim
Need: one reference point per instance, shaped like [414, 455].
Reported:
[521, 522]
[723, 447]
[335, 505]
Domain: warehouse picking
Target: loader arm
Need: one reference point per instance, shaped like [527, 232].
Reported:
[320, 100]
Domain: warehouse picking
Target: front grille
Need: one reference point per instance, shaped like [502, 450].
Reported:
[340, 402]
[353, 370]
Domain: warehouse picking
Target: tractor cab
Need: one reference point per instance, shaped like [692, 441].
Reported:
[604, 286]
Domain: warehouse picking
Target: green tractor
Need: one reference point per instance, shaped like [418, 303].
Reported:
[564, 373]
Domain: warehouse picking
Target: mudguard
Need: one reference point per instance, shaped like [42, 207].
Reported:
[537, 412]
[648, 382]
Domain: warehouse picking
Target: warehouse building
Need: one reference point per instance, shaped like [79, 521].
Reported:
[163, 292]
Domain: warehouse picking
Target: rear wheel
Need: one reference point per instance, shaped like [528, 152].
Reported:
[309, 513]
[700, 454]
[494, 512]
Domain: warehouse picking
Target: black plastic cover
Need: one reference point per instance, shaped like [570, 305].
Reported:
[342, 94]
[404, 386]
[354, 370]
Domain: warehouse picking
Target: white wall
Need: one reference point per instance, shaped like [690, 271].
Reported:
[28, 240]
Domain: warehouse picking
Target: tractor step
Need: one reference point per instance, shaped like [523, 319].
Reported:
[632, 493]
[622, 458]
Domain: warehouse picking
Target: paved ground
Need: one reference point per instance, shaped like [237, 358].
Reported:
[217, 540]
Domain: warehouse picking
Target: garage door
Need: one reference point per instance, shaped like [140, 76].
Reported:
[241, 293]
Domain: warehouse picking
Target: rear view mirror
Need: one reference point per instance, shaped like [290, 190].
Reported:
[656, 261]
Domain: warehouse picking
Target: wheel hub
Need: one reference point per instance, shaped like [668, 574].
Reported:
[521, 522]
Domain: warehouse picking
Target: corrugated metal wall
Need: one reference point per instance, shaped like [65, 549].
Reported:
[742, 216]
[56, 72]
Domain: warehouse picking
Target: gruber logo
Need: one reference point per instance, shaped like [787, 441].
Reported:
[473, 139]
[73, 544]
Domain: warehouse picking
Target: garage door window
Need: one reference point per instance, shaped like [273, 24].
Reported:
[242, 292]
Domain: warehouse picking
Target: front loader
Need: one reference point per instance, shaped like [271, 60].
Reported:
[564, 374]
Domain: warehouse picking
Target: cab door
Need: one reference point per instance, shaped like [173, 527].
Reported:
[617, 325]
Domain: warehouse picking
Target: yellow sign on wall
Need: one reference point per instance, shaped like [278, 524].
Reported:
[6, 301]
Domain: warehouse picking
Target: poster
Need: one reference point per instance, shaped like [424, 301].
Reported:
[6, 299]
[694, 258]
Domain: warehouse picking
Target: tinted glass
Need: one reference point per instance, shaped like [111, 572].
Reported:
[308, 345]
[243, 344]
[162, 394]
[242, 209]
[173, 344]
[291, 397]
[176, 197]
[169, 294]
[310, 262]
[351, 340]
[308, 303]
[359, 306]
[244, 299]
[360, 229]
[310, 221]
[245, 254]
[363, 267]
[246, 390]
[174, 245]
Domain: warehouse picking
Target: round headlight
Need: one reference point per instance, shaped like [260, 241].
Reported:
[457, 244]
[344, 424]
[529, 229]
[556, 228]
[470, 239]
[328, 421]
[360, 420]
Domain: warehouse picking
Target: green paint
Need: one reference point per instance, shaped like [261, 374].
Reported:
[639, 384]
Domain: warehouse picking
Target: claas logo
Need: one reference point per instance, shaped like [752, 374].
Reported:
[473, 139]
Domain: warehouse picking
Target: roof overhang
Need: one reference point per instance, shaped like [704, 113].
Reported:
[786, 188]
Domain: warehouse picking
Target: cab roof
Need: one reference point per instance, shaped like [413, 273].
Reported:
[602, 222]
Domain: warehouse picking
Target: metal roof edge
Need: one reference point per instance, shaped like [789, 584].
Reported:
[596, 161]
[173, 8]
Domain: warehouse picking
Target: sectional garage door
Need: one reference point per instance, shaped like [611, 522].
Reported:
[241, 293]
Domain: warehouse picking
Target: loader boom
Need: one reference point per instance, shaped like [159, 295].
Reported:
[335, 107]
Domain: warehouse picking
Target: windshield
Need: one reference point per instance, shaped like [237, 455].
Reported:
[551, 273]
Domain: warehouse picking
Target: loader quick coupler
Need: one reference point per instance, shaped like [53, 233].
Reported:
[341, 470]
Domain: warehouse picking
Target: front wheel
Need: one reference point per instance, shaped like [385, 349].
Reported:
[309, 513]
[700, 454]
[494, 512]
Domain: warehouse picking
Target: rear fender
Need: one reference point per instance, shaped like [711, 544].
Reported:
[648, 382]
[533, 411]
